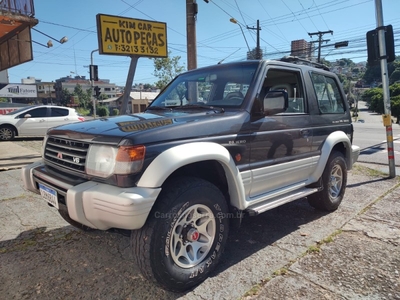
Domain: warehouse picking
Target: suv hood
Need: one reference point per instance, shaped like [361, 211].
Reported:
[150, 127]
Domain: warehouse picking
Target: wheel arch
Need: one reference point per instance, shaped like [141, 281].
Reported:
[10, 125]
[206, 160]
[336, 141]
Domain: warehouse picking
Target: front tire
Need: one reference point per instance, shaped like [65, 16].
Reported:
[183, 239]
[334, 181]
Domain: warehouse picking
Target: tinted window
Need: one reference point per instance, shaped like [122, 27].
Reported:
[40, 112]
[59, 112]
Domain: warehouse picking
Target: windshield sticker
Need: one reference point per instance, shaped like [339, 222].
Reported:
[172, 103]
[134, 126]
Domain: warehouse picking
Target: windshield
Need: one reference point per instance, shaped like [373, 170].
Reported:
[222, 86]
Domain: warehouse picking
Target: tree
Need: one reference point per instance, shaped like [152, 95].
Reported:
[84, 96]
[65, 98]
[395, 76]
[166, 69]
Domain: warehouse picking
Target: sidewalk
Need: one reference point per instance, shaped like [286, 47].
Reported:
[361, 260]
[14, 156]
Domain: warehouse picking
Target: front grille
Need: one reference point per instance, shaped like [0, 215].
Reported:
[67, 154]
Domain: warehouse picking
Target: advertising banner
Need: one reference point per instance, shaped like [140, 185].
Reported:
[18, 91]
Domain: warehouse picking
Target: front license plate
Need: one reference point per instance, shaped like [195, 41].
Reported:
[49, 195]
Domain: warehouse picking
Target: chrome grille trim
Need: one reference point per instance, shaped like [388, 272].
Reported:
[66, 153]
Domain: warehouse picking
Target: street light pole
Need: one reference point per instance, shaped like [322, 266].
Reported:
[91, 86]
[234, 21]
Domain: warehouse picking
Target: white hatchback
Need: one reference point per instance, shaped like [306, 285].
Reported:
[35, 120]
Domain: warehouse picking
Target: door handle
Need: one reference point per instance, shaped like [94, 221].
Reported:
[305, 132]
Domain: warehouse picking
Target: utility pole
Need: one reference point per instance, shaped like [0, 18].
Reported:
[258, 50]
[191, 13]
[319, 41]
[387, 119]
[91, 85]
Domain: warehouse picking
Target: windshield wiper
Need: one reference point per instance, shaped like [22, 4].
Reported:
[201, 106]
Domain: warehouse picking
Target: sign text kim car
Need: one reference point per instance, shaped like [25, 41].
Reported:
[126, 36]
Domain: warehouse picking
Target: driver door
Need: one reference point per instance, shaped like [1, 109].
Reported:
[32, 122]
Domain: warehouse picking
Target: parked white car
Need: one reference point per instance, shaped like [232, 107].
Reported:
[35, 120]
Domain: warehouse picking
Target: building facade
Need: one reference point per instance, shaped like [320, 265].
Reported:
[69, 83]
[302, 49]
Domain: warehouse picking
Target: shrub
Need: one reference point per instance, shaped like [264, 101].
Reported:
[115, 112]
[82, 111]
[103, 111]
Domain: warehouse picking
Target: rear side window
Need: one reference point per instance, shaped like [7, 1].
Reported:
[330, 100]
[59, 112]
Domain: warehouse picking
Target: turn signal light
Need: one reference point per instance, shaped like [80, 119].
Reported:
[130, 153]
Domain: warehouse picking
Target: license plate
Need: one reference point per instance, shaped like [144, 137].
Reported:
[49, 195]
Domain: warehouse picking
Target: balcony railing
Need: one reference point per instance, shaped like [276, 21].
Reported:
[21, 7]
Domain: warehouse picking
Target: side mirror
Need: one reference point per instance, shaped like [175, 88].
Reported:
[27, 116]
[275, 102]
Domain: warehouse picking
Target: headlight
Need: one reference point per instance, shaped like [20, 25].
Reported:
[104, 161]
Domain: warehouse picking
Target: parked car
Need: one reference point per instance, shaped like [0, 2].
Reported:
[217, 145]
[35, 120]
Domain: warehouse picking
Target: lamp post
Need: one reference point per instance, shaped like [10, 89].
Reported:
[234, 21]
[50, 43]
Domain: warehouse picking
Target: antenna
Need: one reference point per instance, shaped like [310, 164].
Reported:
[228, 56]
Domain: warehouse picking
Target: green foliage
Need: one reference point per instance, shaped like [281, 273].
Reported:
[374, 98]
[2, 100]
[373, 72]
[103, 111]
[84, 96]
[166, 69]
[82, 111]
[115, 112]
[65, 98]
[395, 76]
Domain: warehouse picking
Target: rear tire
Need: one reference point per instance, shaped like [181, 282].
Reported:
[184, 236]
[334, 181]
[7, 133]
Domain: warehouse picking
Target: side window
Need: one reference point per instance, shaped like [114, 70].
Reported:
[328, 94]
[40, 112]
[291, 83]
[58, 112]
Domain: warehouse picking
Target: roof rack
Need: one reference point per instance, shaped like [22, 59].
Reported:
[302, 61]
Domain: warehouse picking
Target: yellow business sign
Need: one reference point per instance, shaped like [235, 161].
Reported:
[126, 36]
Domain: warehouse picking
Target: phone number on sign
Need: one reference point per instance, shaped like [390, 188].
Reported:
[136, 49]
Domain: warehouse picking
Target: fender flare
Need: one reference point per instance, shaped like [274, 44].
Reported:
[174, 158]
[331, 141]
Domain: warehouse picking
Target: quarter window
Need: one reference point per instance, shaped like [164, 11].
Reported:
[58, 112]
[328, 94]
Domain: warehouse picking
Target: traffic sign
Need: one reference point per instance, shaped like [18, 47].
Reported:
[126, 36]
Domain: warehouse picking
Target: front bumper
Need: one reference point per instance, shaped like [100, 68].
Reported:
[94, 204]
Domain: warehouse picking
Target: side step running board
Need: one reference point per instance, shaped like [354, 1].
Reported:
[272, 203]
